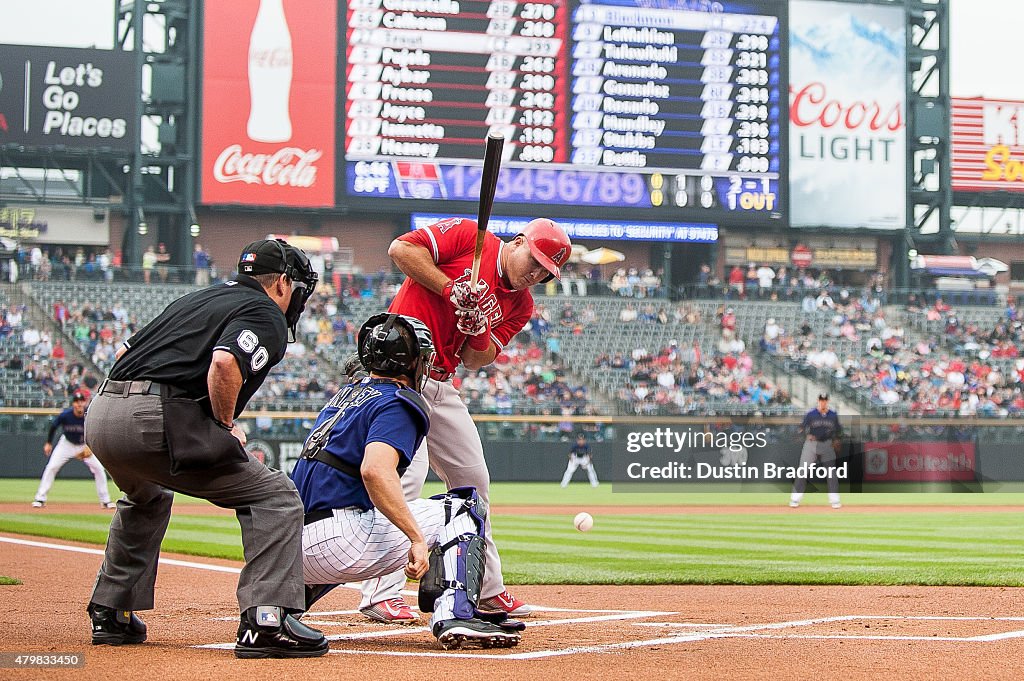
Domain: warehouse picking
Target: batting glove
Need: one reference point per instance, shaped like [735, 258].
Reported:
[477, 326]
[462, 295]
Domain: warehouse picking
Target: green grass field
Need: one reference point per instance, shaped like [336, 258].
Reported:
[913, 546]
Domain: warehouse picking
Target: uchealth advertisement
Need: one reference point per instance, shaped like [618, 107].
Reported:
[988, 145]
[78, 98]
[268, 89]
[846, 108]
[919, 461]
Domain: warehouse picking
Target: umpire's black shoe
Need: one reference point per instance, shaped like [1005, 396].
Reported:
[266, 631]
[115, 627]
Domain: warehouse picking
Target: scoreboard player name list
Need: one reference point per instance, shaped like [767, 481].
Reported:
[618, 86]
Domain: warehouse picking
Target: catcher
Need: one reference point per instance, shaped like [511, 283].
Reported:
[71, 445]
[358, 524]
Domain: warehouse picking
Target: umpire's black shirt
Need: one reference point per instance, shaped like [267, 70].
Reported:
[177, 347]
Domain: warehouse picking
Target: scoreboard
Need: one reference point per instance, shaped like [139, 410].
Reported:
[676, 107]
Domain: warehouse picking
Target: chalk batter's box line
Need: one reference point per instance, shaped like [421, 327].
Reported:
[404, 631]
[722, 632]
[712, 632]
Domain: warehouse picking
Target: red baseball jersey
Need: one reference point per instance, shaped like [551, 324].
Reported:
[451, 243]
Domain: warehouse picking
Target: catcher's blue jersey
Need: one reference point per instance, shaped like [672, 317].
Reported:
[372, 412]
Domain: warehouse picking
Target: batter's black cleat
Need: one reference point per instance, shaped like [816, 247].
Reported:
[115, 627]
[266, 631]
[455, 633]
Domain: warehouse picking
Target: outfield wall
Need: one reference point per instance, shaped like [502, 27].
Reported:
[957, 453]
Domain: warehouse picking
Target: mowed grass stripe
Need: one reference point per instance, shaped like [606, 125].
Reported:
[182, 536]
[874, 552]
[860, 546]
[936, 548]
[937, 533]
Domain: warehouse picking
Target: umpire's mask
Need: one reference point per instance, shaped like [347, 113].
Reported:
[278, 256]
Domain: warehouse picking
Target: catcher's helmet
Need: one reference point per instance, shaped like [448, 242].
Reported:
[394, 344]
[549, 245]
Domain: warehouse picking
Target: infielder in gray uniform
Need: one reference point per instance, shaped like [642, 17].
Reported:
[822, 430]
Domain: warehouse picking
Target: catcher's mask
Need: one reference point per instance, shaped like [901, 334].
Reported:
[273, 256]
[397, 345]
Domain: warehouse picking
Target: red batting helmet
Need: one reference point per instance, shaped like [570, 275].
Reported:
[549, 245]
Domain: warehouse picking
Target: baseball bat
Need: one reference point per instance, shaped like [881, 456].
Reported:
[488, 182]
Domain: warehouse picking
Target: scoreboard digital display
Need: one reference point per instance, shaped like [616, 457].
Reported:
[677, 107]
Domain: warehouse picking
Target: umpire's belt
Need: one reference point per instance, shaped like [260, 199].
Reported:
[316, 516]
[126, 388]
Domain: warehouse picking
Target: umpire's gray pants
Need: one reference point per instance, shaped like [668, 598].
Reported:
[821, 453]
[127, 435]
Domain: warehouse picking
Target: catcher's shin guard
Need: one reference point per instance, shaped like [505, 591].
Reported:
[452, 583]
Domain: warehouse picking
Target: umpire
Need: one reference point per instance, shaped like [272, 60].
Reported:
[822, 429]
[164, 421]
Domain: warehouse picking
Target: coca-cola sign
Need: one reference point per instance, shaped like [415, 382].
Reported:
[268, 103]
[847, 123]
[290, 166]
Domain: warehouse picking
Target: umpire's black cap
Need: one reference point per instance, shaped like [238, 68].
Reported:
[273, 256]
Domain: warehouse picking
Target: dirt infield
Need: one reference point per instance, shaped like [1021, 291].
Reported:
[666, 632]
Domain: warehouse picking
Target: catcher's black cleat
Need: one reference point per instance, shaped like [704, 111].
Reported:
[455, 633]
[266, 631]
[502, 620]
[115, 627]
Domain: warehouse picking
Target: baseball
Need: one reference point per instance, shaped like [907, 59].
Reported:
[583, 521]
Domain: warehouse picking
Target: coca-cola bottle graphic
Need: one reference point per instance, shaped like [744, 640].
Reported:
[270, 75]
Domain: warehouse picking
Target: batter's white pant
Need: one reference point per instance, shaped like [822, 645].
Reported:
[457, 456]
[355, 545]
[63, 452]
[571, 468]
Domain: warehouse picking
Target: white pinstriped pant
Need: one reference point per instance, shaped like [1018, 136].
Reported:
[355, 545]
[456, 454]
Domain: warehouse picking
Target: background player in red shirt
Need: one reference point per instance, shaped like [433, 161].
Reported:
[469, 327]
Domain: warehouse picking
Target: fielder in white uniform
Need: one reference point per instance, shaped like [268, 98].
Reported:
[470, 324]
[358, 524]
[71, 445]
